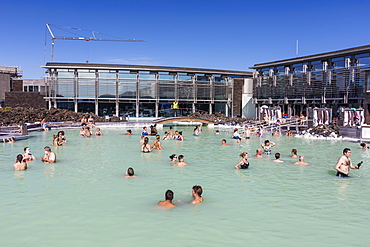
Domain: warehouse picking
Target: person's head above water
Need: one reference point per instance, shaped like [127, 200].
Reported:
[267, 142]
[346, 151]
[363, 144]
[244, 154]
[173, 156]
[181, 157]
[259, 151]
[19, 158]
[197, 189]
[169, 195]
[130, 171]
[294, 151]
[301, 158]
[277, 156]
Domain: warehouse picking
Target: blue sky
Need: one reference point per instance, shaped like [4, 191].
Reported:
[231, 35]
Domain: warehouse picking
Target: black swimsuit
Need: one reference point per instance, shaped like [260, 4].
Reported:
[244, 166]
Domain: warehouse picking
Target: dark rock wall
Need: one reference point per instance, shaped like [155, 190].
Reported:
[4, 85]
[24, 99]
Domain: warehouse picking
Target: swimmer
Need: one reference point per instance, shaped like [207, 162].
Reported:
[217, 132]
[236, 135]
[364, 145]
[153, 130]
[301, 161]
[98, 132]
[157, 143]
[196, 131]
[178, 136]
[27, 156]
[145, 147]
[20, 164]
[57, 141]
[247, 132]
[130, 173]
[344, 164]
[166, 136]
[267, 147]
[49, 156]
[128, 133]
[276, 133]
[294, 153]
[277, 158]
[243, 163]
[258, 153]
[170, 132]
[289, 133]
[197, 194]
[223, 142]
[181, 161]
[168, 200]
[173, 158]
[87, 132]
[145, 132]
[142, 139]
[82, 131]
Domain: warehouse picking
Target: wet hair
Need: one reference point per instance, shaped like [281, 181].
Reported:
[180, 156]
[169, 195]
[165, 132]
[47, 148]
[224, 140]
[144, 127]
[243, 154]
[129, 131]
[170, 127]
[180, 132]
[195, 128]
[267, 141]
[24, 149]
[236, 129]
[346, 150]
[301, 157]
[158, 137]
[130, 171]
[198, 190]
[172, 156]
[277, 156]
[363, 144]
[19, 158]
[146, 140]
[294, 151]
[217, 131]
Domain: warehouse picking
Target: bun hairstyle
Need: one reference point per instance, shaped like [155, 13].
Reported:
[243, 154]
[172, 156]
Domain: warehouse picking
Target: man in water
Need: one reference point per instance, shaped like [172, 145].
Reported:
[49, 156]
[301, 161]
[344, 164]
[223, 142]
[258, 153]
[277, 158]
[168, 200]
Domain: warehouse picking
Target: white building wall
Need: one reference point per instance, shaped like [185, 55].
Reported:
[248, 108]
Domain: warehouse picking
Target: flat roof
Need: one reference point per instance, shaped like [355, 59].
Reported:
[56, 65]
[350, 51]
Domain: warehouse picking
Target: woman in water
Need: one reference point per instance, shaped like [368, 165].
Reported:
[294, 153]
[267, 147]
[98, 132]
[181, 161]
[27, 156]
[145, 147]
[157, 143]
[243, 163]
[196, 131]
[173, 158]
[20, 163]
[87, 132]
[130, 173]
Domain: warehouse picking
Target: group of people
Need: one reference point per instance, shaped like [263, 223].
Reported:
[196, 193]
[22, 159]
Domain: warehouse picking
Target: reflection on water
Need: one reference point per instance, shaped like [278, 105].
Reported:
[270, 204]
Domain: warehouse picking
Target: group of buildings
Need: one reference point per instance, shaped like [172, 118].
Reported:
[337, 80]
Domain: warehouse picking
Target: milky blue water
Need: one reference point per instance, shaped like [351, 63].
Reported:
[84, 199]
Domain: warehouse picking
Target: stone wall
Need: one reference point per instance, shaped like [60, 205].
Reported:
[237, 97]
[18, 85]
[4, 85]
[24, 99]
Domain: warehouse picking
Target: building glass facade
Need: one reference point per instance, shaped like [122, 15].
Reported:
[139, 91]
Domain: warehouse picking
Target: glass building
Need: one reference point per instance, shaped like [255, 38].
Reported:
[140, 91]
[333, 79]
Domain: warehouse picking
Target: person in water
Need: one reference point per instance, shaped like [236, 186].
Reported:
[294, 153]
[289, 133]
[197, 194]
[130, 173]
[166, 136]
[20, 164]
[153, 130]
[27, 156]
[258, 153]
[157, 143]
[277, 158]
[145, 147]
[170, 132]
[223, 142]
[243, 163]
[168, 200]
[267, 147]
[10, 140]
[87, 132]
[98, 132]
[128, 133]
[173, 158]
[49, 156]
[344, 164]
[181, 161]
[301, 161]
[196, 131]
[145, 132]
[364, 145]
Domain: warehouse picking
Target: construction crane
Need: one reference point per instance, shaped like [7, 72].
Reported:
[92, 38]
